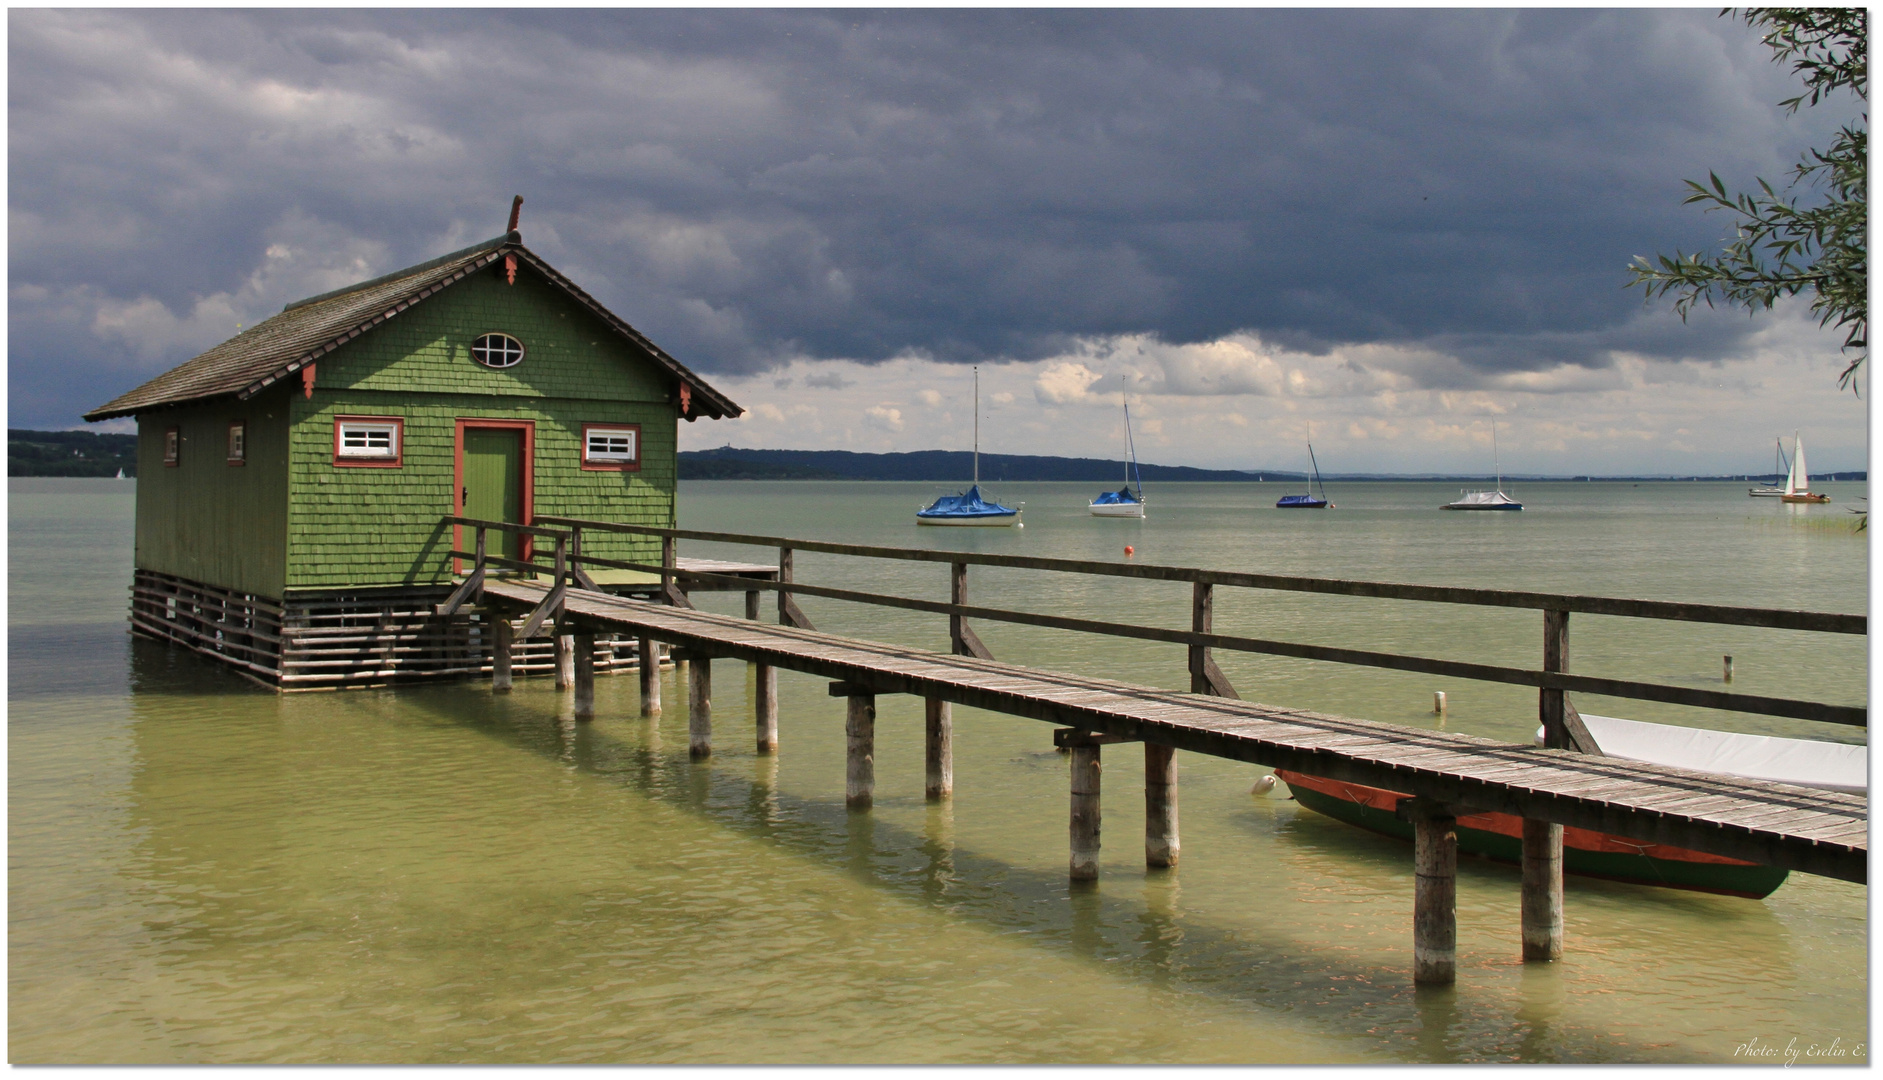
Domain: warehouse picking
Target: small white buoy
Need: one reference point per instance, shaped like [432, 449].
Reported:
[1438, 703]
[1263, 786]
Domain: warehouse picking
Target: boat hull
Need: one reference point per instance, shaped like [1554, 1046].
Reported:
[983, 521]
[1118, 510]
[1805, 497]
[1300, 502]
[1766, 493]
[1585, 852]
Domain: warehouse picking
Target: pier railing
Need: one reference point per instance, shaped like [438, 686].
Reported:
[1562, 728]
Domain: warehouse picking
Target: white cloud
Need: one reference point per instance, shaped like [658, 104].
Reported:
[1373, 408]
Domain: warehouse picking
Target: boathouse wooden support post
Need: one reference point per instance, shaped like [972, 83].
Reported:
[765, 691]
[1435, 893]
[940, 728]
[584, 664]
[859, 774]
[1541, 904]
[1160, 805]
[700, 708]
[502, 642]
[565, 661]
[1086, 770]
[1542, 890]
[649, 657]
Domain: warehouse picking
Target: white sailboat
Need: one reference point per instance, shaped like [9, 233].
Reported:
[1767, 491]
[1798, 481]
[1123, 503]
[1487, 500]
[969, 508]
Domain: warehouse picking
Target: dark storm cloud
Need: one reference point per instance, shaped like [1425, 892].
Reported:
[746, 186]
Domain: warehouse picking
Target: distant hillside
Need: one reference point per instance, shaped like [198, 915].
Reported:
[943, 466]
[69, 453]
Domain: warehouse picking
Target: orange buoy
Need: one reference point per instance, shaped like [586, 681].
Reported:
[1130, 551]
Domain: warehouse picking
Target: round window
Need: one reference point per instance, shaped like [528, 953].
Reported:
[497, 350]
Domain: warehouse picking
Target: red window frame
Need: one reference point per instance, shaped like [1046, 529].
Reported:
[172, 447]
[235, 458]
[612, 466]
[528, 428]
[397, 460]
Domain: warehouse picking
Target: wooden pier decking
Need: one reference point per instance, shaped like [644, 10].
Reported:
[1806, 830]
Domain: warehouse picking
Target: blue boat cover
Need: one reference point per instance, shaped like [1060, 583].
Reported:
[1113, 498]
[1299, 500]
[968, 504]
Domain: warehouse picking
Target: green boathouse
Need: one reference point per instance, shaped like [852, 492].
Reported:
[293, 480]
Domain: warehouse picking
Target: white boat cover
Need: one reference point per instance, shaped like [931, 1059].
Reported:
[1831, 766]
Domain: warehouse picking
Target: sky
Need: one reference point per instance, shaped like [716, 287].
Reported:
[1386, 228]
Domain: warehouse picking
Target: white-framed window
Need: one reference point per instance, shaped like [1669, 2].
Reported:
[611, 446]
[368, 440]
[497, 351]
[172, 446]
[238, 442]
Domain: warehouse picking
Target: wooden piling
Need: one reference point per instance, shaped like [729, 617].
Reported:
[700, 709]
[765, 690]
[1160, 805]
[859, 780]
[1435, 894]
[1542, 890]
[1085, 811]
[649, 650]
[565, 661]
[941, 750]
[502, 642]
[583, 650]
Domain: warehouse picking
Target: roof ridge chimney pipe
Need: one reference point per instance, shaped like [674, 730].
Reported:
[516, 211]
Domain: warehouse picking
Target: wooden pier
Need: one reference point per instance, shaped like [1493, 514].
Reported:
[1445, 775]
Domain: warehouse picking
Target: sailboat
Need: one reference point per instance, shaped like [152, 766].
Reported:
[1487, 500]
[1798, 481]
[1767, 491]
[1124, 503]
[1308, 501]
[969, 508]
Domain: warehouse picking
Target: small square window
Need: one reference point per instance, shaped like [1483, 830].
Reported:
[611, 446]
[368, 440]
[172, 446]
[238, 442]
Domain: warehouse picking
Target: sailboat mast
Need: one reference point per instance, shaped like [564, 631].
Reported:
[977, 425]
[1495, 460]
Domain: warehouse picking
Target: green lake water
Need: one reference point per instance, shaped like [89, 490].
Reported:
[204, 871]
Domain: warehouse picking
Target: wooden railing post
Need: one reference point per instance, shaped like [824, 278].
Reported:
[1555, 658]
[957, 594]
[667, 562]
[962, 640]
[784, 580]
[1202, 618]
[477, 569]
[565, 643]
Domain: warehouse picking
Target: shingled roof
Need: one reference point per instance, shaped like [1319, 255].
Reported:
[308, 329]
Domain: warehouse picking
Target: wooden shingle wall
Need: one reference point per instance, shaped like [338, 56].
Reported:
[206, 520]
[364, 527]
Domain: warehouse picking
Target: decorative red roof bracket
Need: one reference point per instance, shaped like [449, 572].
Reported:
[307, 381]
